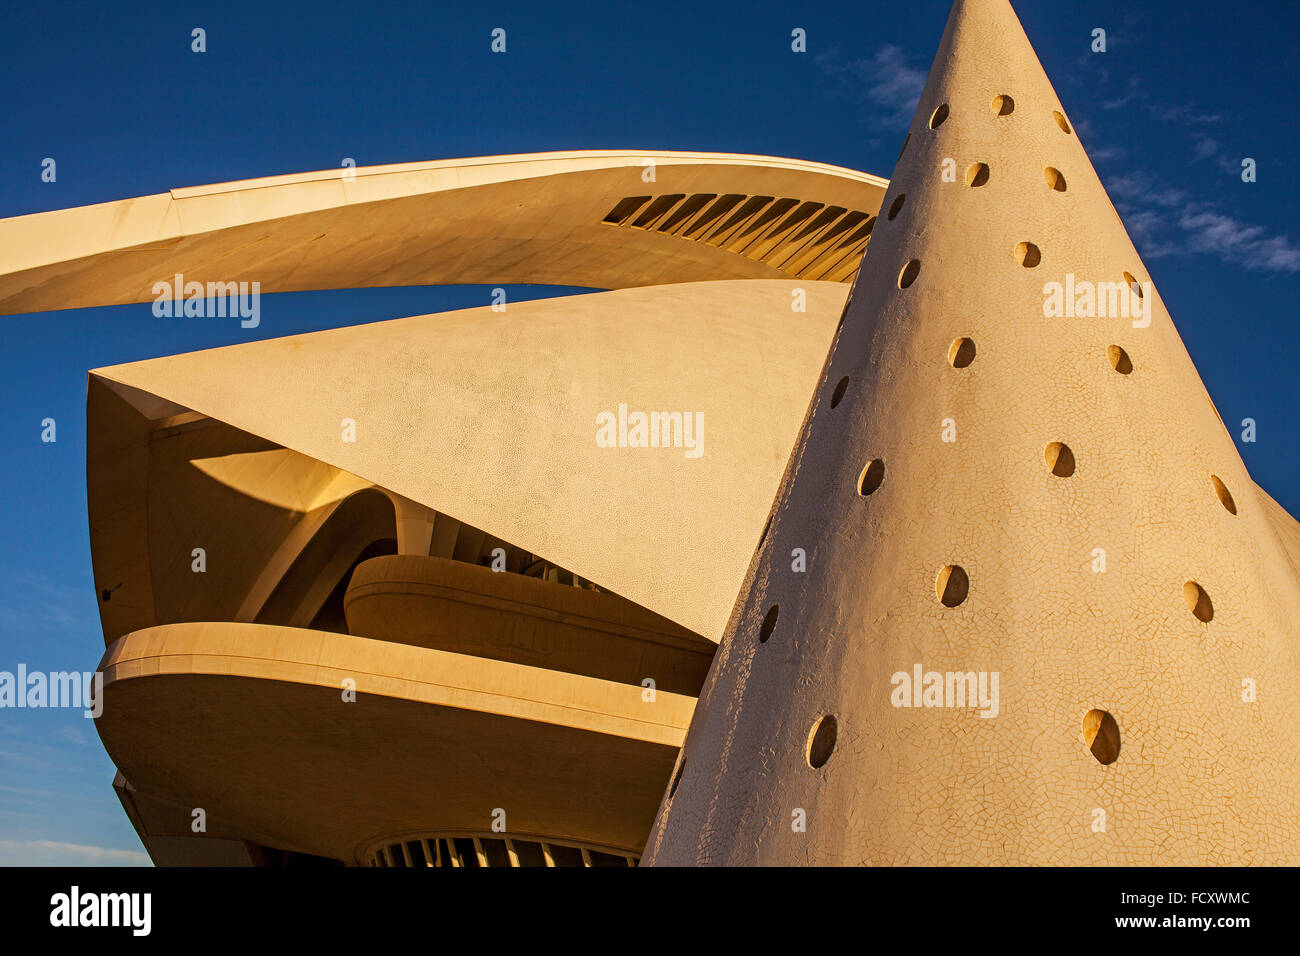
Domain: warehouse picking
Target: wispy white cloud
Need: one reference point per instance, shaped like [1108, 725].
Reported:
[1163, 220]
[1142, 188]
[1167, 221]
[1098, 151]
[1181, 113]
[1133, 92]
[1206, 147]
[29, 599]
[1107, 154]
[884, 80]
[1147, 227]
[1248, 245]
[54, 853]
[28, 793]
[1136, 94]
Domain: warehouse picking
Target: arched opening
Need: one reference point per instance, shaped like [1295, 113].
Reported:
[311, 592]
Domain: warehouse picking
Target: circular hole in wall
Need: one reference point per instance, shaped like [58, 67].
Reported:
[1119, 360]
[1101, 734]
[1224, 495]
[909, 273]
[952, 585]
[840, 388]
[961, 353]
[1028, 254]
[821, 742]
[1059, 459]
[872, 475]
[1198, 602]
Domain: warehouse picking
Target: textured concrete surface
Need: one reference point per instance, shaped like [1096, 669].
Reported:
[490, 417]
[1201, 775]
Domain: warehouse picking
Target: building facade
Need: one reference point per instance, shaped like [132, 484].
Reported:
[445, 590]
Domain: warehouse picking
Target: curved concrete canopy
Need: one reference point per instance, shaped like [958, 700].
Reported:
[586, 218]
[504, 407]
[488, 417]
[249, 722]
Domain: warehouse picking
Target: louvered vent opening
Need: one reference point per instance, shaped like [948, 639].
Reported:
[808, 240]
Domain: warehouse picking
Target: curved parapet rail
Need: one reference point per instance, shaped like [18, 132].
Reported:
[456, 606]
[254, 723]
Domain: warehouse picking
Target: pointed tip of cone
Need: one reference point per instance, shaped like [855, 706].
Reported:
[1012, 463]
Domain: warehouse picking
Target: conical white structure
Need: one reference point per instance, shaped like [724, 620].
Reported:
[988, 491]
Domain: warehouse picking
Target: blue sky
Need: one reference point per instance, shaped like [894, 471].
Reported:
[115, 96]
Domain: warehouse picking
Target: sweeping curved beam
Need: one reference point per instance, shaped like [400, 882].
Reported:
[599, 219]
